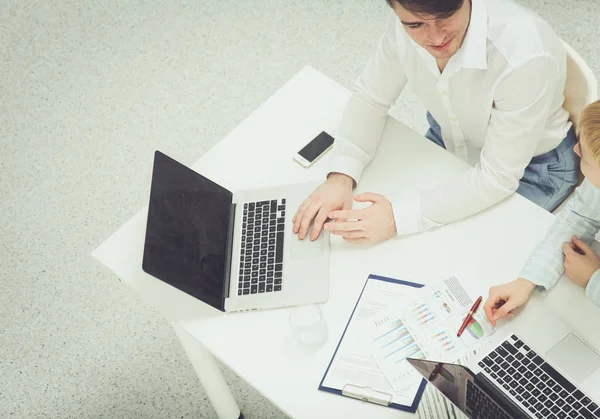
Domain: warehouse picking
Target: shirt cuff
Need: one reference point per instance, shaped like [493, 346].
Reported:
[348, 166]
[536, 277]
[408, 217]
[592, 290]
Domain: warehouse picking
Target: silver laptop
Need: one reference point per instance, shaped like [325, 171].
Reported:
[234, 251]
[542, 370]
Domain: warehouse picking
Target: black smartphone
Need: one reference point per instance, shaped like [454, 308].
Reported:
[311, 152]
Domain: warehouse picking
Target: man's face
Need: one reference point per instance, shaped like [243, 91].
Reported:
[589, 167]
[440, 37]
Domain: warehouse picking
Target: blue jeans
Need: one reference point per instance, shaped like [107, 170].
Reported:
[548, 179]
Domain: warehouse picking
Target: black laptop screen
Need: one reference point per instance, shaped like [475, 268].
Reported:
[450, 379]
[186, 234]
[473, 396]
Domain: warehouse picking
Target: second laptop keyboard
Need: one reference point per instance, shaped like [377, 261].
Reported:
[261, 255]
[482, 406]
[540, 388]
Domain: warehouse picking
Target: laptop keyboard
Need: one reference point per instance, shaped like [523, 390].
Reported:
[541, 389]
[261, 255]
[480, 405]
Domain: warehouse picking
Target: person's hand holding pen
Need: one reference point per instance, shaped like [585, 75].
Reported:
[580, 261]
[580, 264]
[506, 297]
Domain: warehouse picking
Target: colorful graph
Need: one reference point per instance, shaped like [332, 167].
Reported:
[398, 343]
[475, 329]
[443, 340]
[417, 355]
[422, 314]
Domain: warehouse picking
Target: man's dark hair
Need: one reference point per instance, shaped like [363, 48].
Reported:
[440, 9]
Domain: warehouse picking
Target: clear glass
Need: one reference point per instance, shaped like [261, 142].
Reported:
[309, 330]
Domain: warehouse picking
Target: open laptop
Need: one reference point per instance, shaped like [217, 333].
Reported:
[543, 370]
[234, 251]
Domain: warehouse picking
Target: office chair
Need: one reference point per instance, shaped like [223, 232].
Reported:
[580, 91]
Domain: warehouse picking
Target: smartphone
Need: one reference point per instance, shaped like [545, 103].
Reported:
[315, 149]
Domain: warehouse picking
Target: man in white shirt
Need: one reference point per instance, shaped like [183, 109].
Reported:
[491, 74]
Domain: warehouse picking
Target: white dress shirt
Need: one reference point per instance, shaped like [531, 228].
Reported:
[498, 102]
[580, 218]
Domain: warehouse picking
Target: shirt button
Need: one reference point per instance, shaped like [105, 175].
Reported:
[444, 92]
[453, 119]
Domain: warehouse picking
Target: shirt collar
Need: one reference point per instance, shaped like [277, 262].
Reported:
[473, 49]
[473, 52]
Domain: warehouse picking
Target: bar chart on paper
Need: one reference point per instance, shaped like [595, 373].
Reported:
[393, 345]
[442, 342]
[397, 343]
[423, 314]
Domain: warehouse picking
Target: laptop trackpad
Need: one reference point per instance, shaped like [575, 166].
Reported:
[575, 358]
[307, 249]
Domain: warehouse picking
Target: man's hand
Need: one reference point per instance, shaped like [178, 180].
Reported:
[506, 297]
[373, 224]
[334, 194]
[580, 267]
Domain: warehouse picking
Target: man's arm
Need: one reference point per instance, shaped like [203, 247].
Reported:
[363, 121]
[358, 135]
[579, 218]
[522, 102]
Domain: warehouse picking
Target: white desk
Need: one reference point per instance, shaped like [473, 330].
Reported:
[491, 246]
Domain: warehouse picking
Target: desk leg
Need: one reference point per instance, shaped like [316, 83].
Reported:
[210, 376]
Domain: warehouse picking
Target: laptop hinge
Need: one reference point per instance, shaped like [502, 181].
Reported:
[229, 251]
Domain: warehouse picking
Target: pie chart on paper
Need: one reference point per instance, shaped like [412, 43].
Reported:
[475, 329]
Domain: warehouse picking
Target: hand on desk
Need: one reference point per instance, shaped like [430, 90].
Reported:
[334, 194]
[373, 224]
[580, 262]
[506, 297]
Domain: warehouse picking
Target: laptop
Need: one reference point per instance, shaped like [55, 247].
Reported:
[234, 251]
[542, 370]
